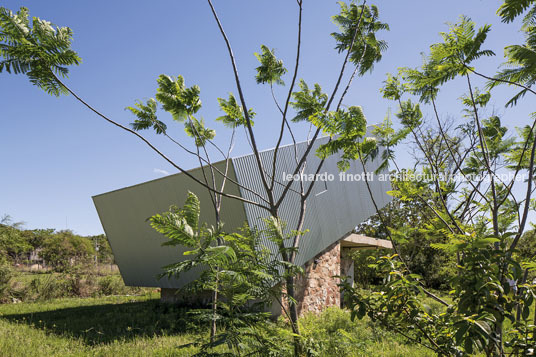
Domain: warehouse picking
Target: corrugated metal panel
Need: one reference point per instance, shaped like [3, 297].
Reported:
[333, 210]
[136, 246]
[330, 214]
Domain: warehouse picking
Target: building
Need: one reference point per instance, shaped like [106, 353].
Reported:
[335, 207]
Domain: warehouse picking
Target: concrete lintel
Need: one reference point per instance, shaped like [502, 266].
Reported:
[359, 241]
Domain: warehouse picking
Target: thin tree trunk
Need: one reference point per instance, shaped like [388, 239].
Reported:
[293, 310]
[213, 326]
[214, 314]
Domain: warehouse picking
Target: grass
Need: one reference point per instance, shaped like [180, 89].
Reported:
[44, 285]
[139, 325]
[108, 326]
[142, 326]
[339, 336]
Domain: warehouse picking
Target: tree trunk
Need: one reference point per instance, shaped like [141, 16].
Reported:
[293, 312]
[214, 313]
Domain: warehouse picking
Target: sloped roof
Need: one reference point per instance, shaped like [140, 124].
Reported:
[333, 210]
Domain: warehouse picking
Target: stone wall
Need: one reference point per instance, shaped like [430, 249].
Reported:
[318, 289]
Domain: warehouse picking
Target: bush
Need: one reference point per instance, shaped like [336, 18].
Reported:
[111, 285]
[49, 287]
[64, 250]
[363, 274]
[333, 333]
[6, 273]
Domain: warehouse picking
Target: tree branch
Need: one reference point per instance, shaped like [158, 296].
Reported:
[244, 107]
[171, 162]
[289, 95]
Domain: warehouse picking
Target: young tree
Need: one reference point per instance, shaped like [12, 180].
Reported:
[481, 215]
[43, 53]
[237, 267]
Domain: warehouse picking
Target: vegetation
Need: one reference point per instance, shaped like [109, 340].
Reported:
[436, 267]
[55, 249]
[235, 267]
[479, 222]
[465, 235]
[42, 264]
[141, 326]
[43, 54]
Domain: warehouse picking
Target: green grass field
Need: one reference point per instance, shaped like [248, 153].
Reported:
[141, 326]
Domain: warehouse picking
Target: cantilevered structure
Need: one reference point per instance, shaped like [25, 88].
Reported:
[334, 209]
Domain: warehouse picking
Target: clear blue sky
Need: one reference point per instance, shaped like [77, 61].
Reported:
[56, 154]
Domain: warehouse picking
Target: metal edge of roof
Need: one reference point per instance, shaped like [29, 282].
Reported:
[192, 170]
[136, 247]
[292, 144]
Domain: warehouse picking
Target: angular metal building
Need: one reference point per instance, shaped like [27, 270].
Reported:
[334, 209]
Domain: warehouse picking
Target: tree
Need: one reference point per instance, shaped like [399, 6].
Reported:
[481, 217]
[103, 250]
[235, 266]
[65, 249]
[43, 53]
[12, 241]
[435, 266]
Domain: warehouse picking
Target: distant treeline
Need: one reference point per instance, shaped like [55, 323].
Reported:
[50, 248]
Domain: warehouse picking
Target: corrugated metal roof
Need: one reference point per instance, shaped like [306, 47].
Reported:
[333, 210]
[136, 246]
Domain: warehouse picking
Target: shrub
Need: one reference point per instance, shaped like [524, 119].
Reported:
[111, 285]
[49, 287]
[6, 273]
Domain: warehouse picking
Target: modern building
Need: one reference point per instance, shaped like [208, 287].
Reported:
[336, 206]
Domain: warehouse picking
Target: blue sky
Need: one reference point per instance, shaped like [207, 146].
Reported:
[57, 154]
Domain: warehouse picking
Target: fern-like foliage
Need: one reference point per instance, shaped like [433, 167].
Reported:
[460, 47]
[448, 59]
[176, 98]
[39, 50]
[511, 9]
[271, 69]
[347, 129]
[196, 129]
[519, 154]
[367, 49]
[388, 138]
[410, 114]
[308, 103]
[520, 66]
[147, 118]
[234, 113]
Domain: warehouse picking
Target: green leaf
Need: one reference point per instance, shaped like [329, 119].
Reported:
[146, 117]
[234, 113]
[42, 51]
[197, 130]
[309, 104]
[192, 210]
[366, 50]
[176, 98]
[526, 312]
[510, 9]
[271, 69]
[484, 242]
[461, 332]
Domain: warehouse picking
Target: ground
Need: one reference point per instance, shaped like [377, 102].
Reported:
[142, 326]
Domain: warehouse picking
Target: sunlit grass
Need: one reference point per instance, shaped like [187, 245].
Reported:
[142, 326]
